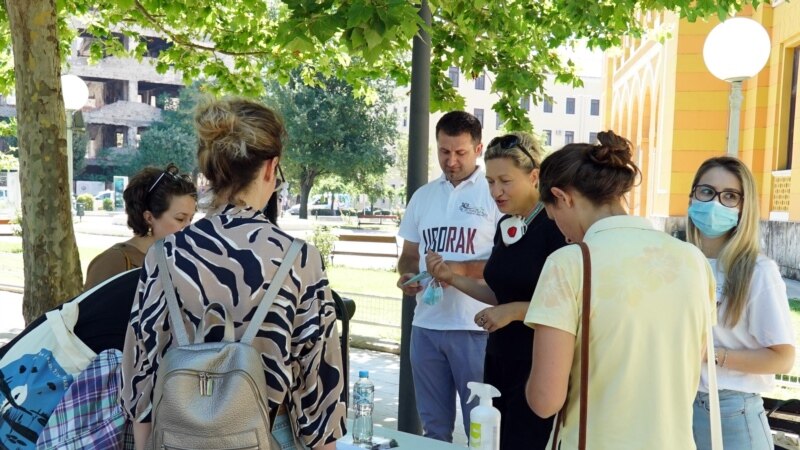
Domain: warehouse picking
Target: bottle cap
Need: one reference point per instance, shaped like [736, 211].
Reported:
[363, 374]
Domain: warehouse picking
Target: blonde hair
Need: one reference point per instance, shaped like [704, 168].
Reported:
[235, 137]
[515, 154]
[739, 254]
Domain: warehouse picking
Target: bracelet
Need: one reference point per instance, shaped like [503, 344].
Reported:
[724, 358]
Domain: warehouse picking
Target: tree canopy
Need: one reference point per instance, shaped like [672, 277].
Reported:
[331, 132]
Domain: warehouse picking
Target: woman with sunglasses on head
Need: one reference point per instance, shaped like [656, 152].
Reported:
[157, 203]
[753, 336]
[231, 257]
[650, 301]
[524, 239]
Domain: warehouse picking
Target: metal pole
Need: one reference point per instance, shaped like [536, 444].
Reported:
[733, 124]
[69, 153]
[418, 123]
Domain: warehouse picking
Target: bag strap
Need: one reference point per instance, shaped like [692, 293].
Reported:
[175, 318]
[713, 393]
[272, 291]
[261, 312]
[584, 388]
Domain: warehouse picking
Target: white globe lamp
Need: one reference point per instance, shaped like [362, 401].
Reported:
[76, 94]
[735, 50]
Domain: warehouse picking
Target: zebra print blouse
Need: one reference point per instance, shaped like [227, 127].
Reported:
[229, 257]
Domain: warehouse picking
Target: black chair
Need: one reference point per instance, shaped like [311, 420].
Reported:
[345, 309]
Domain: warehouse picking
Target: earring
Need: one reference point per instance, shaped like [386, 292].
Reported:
[149, 231]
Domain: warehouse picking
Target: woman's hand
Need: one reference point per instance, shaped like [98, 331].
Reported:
[496, 317]
[438, 268]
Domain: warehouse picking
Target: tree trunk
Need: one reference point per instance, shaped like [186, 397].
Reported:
[306, 183]
[50, 254]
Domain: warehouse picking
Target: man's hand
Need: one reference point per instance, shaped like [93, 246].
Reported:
[411, 289]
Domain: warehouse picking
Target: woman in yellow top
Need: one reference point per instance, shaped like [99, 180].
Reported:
[651, 297]
[158, 203]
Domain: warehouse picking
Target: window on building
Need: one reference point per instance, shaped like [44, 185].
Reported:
[453, 74]
[548, 137]
[405, 116]
[595, 107]
[498, 121]
[547, 106]
[793, 108]
[120, 139]
[569, 137]
[570, 105]
[480, 82]
[479, 114]
[592, 138]
[525, 103]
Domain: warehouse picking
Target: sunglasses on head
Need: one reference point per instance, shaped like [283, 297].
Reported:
[171, 170]
[510, 141]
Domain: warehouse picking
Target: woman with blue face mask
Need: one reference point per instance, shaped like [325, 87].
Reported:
[753, 337]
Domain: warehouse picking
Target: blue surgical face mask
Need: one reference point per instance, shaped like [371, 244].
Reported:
[433, 293]
[712, 218]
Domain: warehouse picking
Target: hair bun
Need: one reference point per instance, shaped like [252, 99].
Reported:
[613, 150]
[215, 121]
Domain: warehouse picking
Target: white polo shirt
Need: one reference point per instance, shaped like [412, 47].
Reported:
[458, 223]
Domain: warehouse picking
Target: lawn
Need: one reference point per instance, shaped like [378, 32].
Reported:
[381, 283]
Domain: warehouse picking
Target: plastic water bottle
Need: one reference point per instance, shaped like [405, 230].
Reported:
[363, 403]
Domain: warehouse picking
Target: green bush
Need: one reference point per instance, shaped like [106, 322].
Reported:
[108, 204]
[87, 201]
[323, 239]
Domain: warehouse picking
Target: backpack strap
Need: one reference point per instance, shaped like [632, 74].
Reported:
[272, 291]
[175, 318]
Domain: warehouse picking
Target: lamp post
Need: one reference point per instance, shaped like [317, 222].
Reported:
[76, 94]
[734, 51]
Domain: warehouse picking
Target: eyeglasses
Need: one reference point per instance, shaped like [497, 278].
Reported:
[510, 141]
[727, 197]
[280, 179]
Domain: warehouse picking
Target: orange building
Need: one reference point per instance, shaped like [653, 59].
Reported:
[659, 93]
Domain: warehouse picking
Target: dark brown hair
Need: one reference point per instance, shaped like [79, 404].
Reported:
[601, 172]
[456, 123]
[236, 136]
[139, 197]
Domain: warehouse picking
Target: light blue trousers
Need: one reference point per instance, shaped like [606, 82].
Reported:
[744, 422]
[443, 362]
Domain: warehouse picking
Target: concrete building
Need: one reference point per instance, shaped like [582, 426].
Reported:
[660, 95]
[122, 93]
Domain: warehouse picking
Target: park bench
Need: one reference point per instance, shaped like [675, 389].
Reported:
[380, 218]
[784, 420]
[385, 251]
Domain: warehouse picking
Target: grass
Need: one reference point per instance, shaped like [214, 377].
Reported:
[11, 263]
[381, 283]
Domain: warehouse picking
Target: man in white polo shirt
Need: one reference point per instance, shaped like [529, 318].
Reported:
[455, 216]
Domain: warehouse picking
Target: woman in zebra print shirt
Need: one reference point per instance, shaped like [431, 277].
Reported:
[230, 257]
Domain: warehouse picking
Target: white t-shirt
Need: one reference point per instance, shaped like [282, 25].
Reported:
[765, 321]
[458, 223]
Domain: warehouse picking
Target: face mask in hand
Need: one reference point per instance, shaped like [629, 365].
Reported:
[433, 293]
[712, 218]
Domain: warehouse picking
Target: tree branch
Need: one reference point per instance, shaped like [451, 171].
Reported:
[188, 43]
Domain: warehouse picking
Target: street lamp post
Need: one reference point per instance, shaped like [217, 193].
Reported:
[76, 94]
[735, 50]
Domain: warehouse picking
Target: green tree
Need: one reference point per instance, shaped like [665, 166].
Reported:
[239, 43]
[331, 132]
[171, 140]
